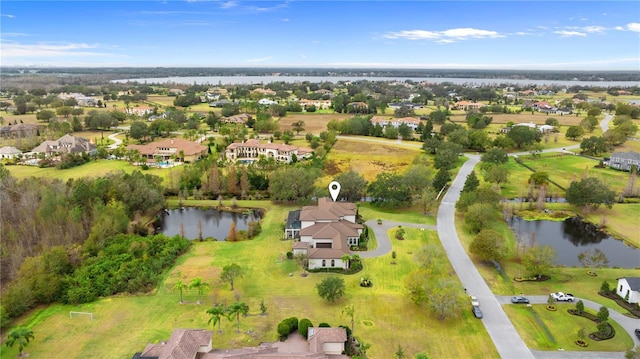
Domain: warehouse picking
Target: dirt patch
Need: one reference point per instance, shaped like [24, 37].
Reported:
[313, 123]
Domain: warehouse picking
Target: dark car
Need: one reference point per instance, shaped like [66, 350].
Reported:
[637, 333]
[476, 312]
[519, 300]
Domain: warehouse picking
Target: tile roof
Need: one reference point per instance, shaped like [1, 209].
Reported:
[189, 147]
[183, 344]
[319, 336]
[327, 209]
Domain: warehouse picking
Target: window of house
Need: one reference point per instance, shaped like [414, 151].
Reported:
[324, 263]
[333, 263]
[620, 290]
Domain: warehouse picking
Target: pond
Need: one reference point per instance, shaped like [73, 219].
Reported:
[214, 223]
[572, 236]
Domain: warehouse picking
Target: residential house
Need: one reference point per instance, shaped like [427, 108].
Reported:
[220, 103]
[408, 104]
[467, 105]
[326, 233]
[267, 102]
[9, 152]
[325, 92]
[176, 92]
[266, 92]
[629, 289]
[65, 144]
[251, 150]
[240, 118]
[171, 148]
[319, 104]
[139, 111]
[19, 130]
[82, 100]
[412, 122]
[624, 160]
[183, 344]
[321, 343]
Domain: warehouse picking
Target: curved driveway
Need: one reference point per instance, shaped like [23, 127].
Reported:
[380, 231]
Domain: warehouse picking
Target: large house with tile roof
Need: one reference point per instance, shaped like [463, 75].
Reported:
[321, 343]
[412, 122]
[325, 233]
[251, 150]
[168, 148]
[65, 144]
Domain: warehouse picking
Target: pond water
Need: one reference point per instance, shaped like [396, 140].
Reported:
[572, 236]
[214, 223]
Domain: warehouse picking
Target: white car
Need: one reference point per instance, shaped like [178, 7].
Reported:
[474, 301]
[562, 297]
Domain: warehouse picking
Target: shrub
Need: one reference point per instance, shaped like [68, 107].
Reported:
[603, 314]
[283, 330]
[605, 287]
[324, 325]
[579, 307]
[289, 255]
[303, 327]
[293, 323]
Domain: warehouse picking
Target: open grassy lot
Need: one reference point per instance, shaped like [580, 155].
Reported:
[367, 158]
[313, 122]
[542, 329]
[91, 169]
[562, 169]
[385, 317]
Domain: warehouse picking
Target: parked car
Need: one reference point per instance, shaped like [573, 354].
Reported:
[519, 300]
[474, 301]
[476, 312]
[638, 333]
[562, 297]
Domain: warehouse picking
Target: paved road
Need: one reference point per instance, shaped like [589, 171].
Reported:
[604, 124]
[380, 231]
[504, 335]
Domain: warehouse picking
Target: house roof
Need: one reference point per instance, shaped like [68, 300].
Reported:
[317, 337]
[293, 220]
[183, 344]
[327, 210]
[189, 147]
[634, 282]
[65, 144]
[9, 150]
[255, 143]
[631, 155]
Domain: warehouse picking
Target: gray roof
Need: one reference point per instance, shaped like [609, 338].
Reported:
[626, 155]
[293, 220]
[634, 282]
[9, 150]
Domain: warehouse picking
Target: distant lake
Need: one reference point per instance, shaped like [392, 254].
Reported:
[247, 80]
[214, 223]
[572, 236]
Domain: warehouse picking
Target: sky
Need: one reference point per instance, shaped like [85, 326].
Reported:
[535, 35]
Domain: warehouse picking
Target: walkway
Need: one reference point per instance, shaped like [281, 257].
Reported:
[380, 231]
[116, 140]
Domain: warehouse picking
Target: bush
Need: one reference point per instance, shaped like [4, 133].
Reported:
[283, 330]
[579, 307]
[324, 325]
[303, 327]
[289, 255]
[293, 323]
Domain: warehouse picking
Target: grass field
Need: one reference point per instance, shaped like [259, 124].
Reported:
[384, 317]
[542, 329]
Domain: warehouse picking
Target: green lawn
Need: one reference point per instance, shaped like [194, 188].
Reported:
[542, 329]
[385, 317]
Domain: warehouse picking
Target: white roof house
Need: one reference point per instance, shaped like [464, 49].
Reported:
[8, 152]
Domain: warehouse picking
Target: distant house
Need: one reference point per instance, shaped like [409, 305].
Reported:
[624, 160]
[326, 232]
[19, 130]
[266, 92]
[65, 144]
[9, 152]
[139, 111]
[82, 100]
[321, 343]
[531, 125]
[266, 102]
[251, 150]
[629, 289]
[240, 118]
[220, 103]
[467, 105]
[168, 148]
[407, 104]
[412, 122]
[319, 104]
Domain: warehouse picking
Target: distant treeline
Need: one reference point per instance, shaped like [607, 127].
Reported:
[132, 72]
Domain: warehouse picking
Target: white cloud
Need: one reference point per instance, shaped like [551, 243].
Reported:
[228, 4]
[285, 20]
[619, 28]
[446, 36]
[634, 26]
[49, 50]
[594, 29]
[262, 59]
[8, 16]
[570, 33]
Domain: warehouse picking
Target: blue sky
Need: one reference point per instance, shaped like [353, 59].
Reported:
[576, 35]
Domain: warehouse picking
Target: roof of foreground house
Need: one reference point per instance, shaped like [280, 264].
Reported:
[183, 344]
[318, 336]
[326, 209]
[634, 282]
[180, 144]
[631, 155]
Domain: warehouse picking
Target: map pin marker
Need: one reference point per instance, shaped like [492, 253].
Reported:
[334, 189]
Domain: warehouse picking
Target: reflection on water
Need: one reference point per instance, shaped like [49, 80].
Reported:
[572, 236]
[213, 223]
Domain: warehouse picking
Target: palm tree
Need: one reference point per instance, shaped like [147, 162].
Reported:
[345, 259]
[20, 336]
[216, 312]
[350, 311]
[180, 286]
[199, 285]
[236, 309]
